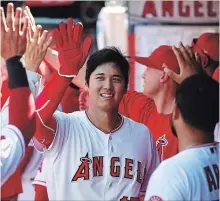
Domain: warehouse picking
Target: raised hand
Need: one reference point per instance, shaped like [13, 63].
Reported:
[31, 21]
[13, 37]
[189, 63]
[37, 46]
[68, 42]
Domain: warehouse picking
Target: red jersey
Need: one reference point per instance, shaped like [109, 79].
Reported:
[142, 109]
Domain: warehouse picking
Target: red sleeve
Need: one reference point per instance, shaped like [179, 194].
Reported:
[41, 193]
[12, 186]
[5, 91]
[46, 104]
[136, 106]
[70, 100]
[22, 111]
[28, 154]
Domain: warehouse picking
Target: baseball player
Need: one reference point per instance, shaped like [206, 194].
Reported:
[98, 151]
[83, 100]
[143, 109]
[40, 179]
[29, 164]
[193, 174]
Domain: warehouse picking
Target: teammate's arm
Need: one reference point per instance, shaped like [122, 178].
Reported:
[71, 58]
[41, 193]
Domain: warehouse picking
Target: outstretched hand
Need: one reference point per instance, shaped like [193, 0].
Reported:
[37, 43]
[68, 42]
[189, 63]
[13, 37]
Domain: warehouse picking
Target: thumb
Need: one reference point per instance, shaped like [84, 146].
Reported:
[172, 74]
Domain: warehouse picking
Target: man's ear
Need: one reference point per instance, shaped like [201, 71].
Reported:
[176, 112]
[164, 77]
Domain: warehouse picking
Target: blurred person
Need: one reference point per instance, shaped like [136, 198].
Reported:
[215, 76]
[154, 106]
[46, 72]
[207, 46]
[20, 129]
[34, 54]
[83, 99]
[193, 174]
[69, 102]
[107, 81]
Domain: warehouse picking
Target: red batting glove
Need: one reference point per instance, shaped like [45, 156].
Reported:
[68, 41]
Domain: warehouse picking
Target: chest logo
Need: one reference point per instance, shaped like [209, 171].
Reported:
[161, 143]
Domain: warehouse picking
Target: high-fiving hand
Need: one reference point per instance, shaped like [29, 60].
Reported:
[68, 42]
[189, 63]
[13, 37]
[37, 43]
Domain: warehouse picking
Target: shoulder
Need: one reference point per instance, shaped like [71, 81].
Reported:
[178, 165]
[80, 115]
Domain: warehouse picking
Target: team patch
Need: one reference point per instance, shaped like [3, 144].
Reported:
[155, 198]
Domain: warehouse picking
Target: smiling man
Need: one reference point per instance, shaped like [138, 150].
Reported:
[96, 154]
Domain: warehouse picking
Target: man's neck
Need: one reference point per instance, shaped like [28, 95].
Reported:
[192, 137]
[164, 102]
[106, 121]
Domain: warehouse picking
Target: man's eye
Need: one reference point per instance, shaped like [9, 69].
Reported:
[100, 78]
[117, 80]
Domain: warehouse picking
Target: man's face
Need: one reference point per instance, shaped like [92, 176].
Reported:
[106, 86]
[151, 78]
[83, 100]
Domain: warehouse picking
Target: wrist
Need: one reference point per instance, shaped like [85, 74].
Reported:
[31, 67]
[16, 73]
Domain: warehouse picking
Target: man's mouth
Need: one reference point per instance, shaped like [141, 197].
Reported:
[107, 95]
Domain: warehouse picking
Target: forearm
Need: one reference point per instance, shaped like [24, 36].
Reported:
[21, 103]
[34, 81]
[27, 158]
[49, 99]
[41, 193]
[70, 100]
[46, 104]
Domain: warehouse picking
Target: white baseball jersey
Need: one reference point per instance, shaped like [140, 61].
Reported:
[40, 178]
[85, 163]
[29, 174]
[193, 174]
[12, 151]
[217, 133]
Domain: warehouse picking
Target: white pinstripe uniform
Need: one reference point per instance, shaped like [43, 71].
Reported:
[85, 163]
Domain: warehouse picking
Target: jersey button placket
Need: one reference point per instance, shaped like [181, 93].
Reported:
[108, 178]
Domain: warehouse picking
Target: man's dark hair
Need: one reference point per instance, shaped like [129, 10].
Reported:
[16, 4]
[197, 98]
[106, 55]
